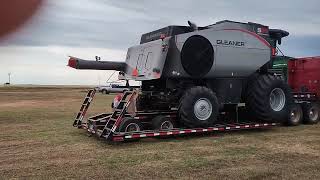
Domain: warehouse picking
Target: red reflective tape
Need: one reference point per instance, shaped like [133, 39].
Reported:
[187, 131]
[175, 132]
[135, 136]
[261, 39]
[163, 133]
[150, 134]
[221, 129]
[120, 138]
[210, 129]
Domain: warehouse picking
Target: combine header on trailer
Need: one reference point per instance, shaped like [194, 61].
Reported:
[195, 79]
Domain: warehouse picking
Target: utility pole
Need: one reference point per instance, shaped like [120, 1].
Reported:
[9, 75]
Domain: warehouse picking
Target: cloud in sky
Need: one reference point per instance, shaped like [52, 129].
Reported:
[85, 28]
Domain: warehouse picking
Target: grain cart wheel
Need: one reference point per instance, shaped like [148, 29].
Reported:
[198, 107]
[311, 112]
[162, 123]
[295, 115]
[130, 125]
[268, 99]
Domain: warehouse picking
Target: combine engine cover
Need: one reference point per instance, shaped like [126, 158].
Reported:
[224, 49]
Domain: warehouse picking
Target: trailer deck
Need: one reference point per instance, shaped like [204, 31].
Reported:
[106, 125]
[121, 136]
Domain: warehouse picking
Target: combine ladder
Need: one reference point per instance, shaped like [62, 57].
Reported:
[116, 117]
[84, 107]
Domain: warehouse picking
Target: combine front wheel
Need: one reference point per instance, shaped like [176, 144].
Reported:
[198, 107]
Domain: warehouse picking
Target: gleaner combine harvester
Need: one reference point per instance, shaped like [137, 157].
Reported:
[204, 79]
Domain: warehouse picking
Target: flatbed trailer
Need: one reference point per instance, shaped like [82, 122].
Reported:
[98, 124]
[128, 136]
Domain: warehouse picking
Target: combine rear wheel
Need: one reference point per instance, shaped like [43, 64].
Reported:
[269, 99]
[295, 115]
[311, 113]
[198, 107]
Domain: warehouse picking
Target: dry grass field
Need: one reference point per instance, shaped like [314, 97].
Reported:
[37, 141]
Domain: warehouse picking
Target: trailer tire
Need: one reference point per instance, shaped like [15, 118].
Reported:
[268, 98]
[311, 112]
[295, 116]
[130, 125]
[198, 107]
[162, 123]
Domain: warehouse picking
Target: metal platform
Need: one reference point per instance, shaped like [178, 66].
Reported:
[118, 137]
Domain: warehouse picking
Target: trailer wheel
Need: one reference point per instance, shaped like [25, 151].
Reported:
[268, 99]
[162, 123]
[295, 115]
[311, 113]
[130, 125]
[198, 107]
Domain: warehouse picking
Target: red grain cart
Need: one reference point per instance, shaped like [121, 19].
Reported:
[304, 80]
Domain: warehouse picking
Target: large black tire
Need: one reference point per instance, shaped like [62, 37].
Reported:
[130, 125]
[295, 115]
[268, 98]
[311, 112]
[203, 98]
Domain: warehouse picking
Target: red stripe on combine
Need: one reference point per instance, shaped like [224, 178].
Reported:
[261, 39]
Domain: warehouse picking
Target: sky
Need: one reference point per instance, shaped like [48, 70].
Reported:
[38, 52]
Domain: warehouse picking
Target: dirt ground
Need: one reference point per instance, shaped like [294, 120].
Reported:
[37, 141]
